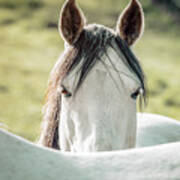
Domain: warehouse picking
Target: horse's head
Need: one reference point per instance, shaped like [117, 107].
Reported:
[100, 80]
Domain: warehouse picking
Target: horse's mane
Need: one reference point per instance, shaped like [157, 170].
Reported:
[52, 107]
[92, 43]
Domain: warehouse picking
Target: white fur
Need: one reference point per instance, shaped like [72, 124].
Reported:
[21, 160]
[102, 115]
[155, 129]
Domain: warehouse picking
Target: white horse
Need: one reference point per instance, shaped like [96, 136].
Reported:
[20, 160]
[97, 115]
[91, 99]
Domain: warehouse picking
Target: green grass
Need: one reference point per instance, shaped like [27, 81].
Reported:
[29, 50]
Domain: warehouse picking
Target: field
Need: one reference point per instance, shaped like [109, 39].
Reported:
[30, 45]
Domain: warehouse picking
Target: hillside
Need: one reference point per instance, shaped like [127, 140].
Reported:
[30, 45]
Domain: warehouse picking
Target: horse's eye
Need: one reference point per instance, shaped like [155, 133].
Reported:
[135, 94]
[66, 92]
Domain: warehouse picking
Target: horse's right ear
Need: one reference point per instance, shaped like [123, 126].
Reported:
[71, 22]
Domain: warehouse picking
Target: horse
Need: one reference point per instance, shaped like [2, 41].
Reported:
[93, 88]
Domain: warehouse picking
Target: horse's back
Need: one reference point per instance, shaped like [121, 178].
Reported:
[21, 160]
[156, 129]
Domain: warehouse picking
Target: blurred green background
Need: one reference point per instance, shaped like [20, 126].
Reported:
[30, 45]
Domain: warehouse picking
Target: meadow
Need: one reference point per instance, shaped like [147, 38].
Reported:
[30, 45]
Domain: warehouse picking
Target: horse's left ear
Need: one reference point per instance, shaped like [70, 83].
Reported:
[131, 23]
[71, 21]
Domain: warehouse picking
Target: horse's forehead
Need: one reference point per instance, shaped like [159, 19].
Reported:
[111, 64]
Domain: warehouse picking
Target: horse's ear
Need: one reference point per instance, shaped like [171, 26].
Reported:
[71, 22]
[131, 23]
